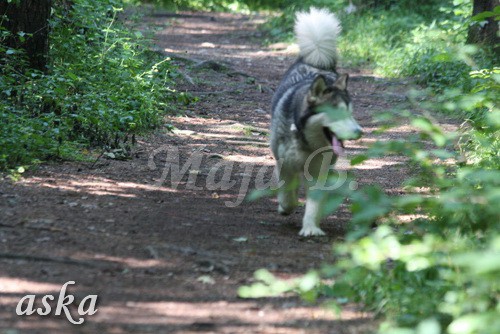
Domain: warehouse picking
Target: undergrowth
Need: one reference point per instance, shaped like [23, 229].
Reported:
[102, 87]
[430, 266]
[436, 271]
[400, 38]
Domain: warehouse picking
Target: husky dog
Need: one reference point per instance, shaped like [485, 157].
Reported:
[311, 110]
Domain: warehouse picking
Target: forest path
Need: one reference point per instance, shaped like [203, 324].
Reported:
[169, 259]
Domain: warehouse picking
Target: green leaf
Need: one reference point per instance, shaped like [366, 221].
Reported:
[423, 124]
[442, 154]
[264, 275]
[309, 281]
[332, 202]
[358, 159]
[259, 193]
[409, 201]
[429, 326]
[484, 15]
[72, 76]
[469, 324]
[335, 114]
[269, 286]
[257, 290]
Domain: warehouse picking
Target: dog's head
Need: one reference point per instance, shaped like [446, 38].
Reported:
[330, 114]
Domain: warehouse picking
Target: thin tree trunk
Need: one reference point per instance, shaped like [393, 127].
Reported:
[487, 33]
[29, 17]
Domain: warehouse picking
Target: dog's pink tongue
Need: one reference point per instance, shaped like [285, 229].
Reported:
[337, 146]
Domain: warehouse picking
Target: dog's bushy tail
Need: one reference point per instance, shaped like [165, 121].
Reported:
[316, 32]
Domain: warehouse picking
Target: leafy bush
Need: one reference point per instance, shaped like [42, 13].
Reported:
[103, 86]
[439, 272]
[399, 38]
[206, 5]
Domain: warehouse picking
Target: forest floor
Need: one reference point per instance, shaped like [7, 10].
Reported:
[168, 258]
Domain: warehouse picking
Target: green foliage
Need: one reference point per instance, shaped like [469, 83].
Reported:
[206, 5]
[103, 86]
[411, 280]
[482, 143]
[269, 285]
[377, 37]
[439, 272]
[223, 5]
[400, 38]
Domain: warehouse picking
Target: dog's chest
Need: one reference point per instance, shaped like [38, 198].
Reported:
[292, 152]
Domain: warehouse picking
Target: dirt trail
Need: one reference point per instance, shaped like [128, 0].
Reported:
[166, 259]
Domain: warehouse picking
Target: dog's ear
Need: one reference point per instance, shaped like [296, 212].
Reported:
[317, 90]
[341, 82]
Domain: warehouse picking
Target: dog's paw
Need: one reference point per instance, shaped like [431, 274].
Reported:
[311, 231]
[285, 211]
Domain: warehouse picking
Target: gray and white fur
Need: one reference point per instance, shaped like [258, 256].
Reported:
[306, 142]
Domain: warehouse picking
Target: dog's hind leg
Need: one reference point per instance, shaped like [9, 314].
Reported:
[287, 193]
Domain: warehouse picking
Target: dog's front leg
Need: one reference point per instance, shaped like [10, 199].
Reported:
[318, 170]
[312, 216]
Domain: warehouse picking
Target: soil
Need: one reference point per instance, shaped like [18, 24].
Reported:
[167, 257]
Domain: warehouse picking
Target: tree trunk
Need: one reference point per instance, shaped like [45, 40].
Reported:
[488, 33]
[30, 17]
